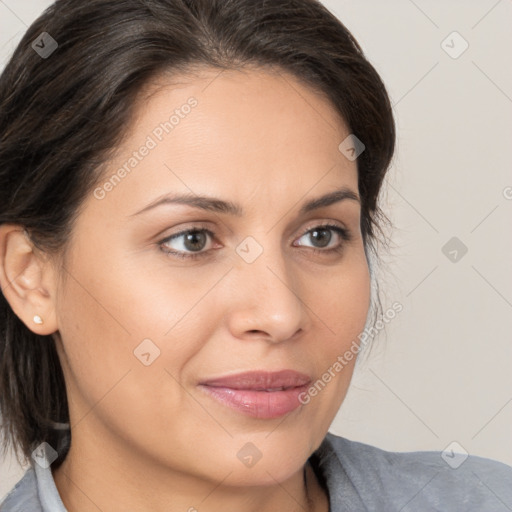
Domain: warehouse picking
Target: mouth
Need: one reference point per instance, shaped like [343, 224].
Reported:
[259, 394]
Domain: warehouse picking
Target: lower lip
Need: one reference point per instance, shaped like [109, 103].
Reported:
[258, 404]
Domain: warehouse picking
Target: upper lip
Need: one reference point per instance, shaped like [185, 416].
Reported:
[260, 380]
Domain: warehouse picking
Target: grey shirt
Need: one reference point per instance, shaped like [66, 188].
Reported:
[358, 477]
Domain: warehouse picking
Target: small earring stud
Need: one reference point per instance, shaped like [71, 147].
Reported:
[38, 319]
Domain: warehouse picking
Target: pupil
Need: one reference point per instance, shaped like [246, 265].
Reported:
[327, 239]
[193, 237]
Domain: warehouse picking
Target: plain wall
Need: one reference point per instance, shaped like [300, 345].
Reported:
[442, 371]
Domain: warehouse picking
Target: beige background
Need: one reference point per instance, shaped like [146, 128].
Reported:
[443, 372]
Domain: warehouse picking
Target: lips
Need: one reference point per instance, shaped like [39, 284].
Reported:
[261, 380]
[262, 395]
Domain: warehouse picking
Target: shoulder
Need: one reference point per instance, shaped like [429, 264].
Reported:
[23, 496]
[423, 480]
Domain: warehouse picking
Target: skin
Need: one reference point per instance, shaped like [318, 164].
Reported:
[146, 437]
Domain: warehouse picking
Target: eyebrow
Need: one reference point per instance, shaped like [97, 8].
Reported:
[217, 205]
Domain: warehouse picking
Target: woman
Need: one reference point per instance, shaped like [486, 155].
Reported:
[189, 210]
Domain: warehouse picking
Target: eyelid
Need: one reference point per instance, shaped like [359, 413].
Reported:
[201, 228]
[204, 227]
[324, 223]
[344, 233]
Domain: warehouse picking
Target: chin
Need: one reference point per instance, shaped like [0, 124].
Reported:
[264, 474]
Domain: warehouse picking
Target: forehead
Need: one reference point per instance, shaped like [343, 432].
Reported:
[255, 133]
[252, 107]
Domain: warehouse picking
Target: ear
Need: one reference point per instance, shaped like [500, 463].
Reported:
[27, 279]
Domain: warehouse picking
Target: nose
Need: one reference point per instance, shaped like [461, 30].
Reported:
[266, 302]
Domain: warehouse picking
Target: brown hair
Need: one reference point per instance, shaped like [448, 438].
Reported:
[61, 115]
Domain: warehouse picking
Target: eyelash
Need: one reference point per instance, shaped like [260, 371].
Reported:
[344, 234]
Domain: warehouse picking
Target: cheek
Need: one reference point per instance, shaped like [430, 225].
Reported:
[110, 306]
[108, 310]
[96, 345]
[344, 309]
[102, 373]
[343, 300]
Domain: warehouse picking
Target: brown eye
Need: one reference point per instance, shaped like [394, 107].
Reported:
[187, 242]
[321, 237]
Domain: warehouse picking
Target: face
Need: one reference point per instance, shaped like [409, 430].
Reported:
[158, 299]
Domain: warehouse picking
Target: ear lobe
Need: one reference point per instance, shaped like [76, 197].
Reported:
[27, 280]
